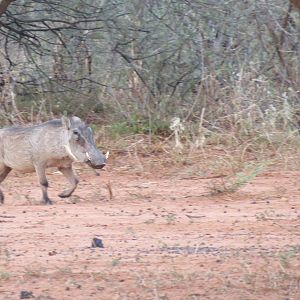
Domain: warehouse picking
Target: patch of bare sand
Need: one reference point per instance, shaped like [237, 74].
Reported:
[164, 238]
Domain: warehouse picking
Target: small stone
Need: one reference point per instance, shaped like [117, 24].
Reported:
[51, 253]
[97, 243]
[26, 295]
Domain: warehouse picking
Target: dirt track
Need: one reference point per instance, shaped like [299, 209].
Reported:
[164, 237]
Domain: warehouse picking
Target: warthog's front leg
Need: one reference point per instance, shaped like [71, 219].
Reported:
[69, 174]
[41, 172]
[4, 170]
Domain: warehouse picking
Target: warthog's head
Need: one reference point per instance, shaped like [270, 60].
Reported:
[80, 143]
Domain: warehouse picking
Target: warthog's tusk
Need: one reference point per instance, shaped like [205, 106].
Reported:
[67, 147]
[88, 156]
[107, 154]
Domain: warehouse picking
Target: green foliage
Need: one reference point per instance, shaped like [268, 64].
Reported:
[247, 175]
[116, 261]
[234, 182]
[286, 256]
[138, 124]
[238, 74]
[4, 275]
[58, 101]
[170, 218]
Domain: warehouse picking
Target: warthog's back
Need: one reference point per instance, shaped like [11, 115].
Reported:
[23, 147]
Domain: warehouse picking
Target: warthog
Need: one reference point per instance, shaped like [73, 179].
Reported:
[55, 143]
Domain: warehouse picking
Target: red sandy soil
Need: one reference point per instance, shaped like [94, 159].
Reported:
[165, 237]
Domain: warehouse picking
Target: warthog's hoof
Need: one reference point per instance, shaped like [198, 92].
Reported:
[65, 194]
[48, 202]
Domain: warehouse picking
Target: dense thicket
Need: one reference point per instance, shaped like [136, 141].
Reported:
[150, 60]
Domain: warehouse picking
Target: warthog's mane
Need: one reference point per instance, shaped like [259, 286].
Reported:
[26, 128]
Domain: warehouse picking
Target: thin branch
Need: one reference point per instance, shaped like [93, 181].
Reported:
[4, 5]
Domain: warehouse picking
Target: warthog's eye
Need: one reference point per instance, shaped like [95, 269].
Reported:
[76, 135]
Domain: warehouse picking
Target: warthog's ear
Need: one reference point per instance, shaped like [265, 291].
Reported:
[75, 119]
[66, 122]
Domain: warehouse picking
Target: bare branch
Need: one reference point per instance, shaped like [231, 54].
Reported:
[4, 5]
[296, 3]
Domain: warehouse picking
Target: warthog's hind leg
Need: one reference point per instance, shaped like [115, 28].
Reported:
[41, 173]
[4, 170]
[69, 174]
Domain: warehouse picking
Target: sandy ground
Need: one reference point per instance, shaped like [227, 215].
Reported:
[164, 236]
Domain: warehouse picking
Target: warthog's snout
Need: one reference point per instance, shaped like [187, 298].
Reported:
[96, 160]
[99, 166]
